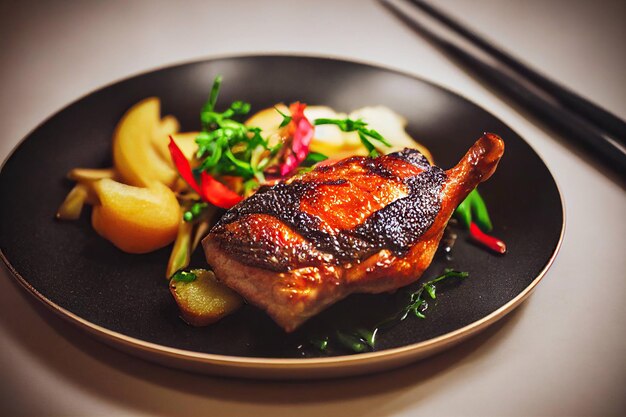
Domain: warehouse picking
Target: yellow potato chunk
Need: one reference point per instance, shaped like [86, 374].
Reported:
[136, 220]
[204, 300]
[134, 156]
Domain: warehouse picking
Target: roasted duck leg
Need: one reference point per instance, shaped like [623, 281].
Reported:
[366, 225]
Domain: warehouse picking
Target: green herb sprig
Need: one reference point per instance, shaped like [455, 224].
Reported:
[228, 147]
[418, 304]
[367, 136]
[286, 119]
[361, 339]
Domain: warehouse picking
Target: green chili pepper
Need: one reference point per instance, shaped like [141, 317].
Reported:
[480, 213]
[474, 209]
[464, 213]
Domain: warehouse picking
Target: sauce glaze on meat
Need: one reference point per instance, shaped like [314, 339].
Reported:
[396, 226]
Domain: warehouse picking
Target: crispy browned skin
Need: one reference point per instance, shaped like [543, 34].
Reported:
[359, 225]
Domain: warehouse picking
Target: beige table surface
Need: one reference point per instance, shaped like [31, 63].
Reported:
[563, 353]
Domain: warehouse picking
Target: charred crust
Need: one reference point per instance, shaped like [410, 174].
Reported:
[411, 156]
[396, 227]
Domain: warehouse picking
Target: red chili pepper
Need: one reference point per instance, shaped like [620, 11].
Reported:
[484, 239]
[217, 193]
[182, 165]
[210, 189]
[301, 132]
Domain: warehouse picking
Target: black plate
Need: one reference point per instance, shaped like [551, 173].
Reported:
[69, 266]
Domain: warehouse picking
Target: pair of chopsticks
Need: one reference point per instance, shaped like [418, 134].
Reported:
[595, 129]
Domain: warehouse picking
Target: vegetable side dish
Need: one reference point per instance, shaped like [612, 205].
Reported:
[316, 209]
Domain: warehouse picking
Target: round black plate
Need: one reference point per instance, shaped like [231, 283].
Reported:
[68, 265]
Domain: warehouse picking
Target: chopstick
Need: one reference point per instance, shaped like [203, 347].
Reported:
[571, 124]
[596, 115]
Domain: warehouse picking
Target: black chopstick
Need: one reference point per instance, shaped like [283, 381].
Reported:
[596, 115]
[566, 121]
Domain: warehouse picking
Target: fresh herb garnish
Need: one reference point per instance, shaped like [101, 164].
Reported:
[286, 119]
[365, 135]
[417, 304]
[313, 158]
[228, 147]
[363, 339]
[183, 276]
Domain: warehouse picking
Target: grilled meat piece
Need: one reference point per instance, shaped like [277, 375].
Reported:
[359, 225]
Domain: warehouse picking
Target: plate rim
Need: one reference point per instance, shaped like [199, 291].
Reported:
[281, 368]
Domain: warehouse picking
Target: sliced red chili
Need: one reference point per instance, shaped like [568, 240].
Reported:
[217, 193]
[210, 189]
[486, 240]
[182, 166]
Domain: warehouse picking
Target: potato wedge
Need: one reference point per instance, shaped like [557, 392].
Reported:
[136, 220]
[168, 125]
[204, 300]
[134, 156]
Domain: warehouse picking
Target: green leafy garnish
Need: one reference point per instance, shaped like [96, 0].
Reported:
[418, 304]
[286, 119]
[183, 276]
[363, 339]
[228, 147]
[215, 91]
[365, 135]
[313, 158]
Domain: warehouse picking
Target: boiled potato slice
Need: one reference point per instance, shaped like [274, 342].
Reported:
[204, 300]
[134, 157]
[167, 126]
[136, 220]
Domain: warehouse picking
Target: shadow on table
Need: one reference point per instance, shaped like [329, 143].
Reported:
[155, 389]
